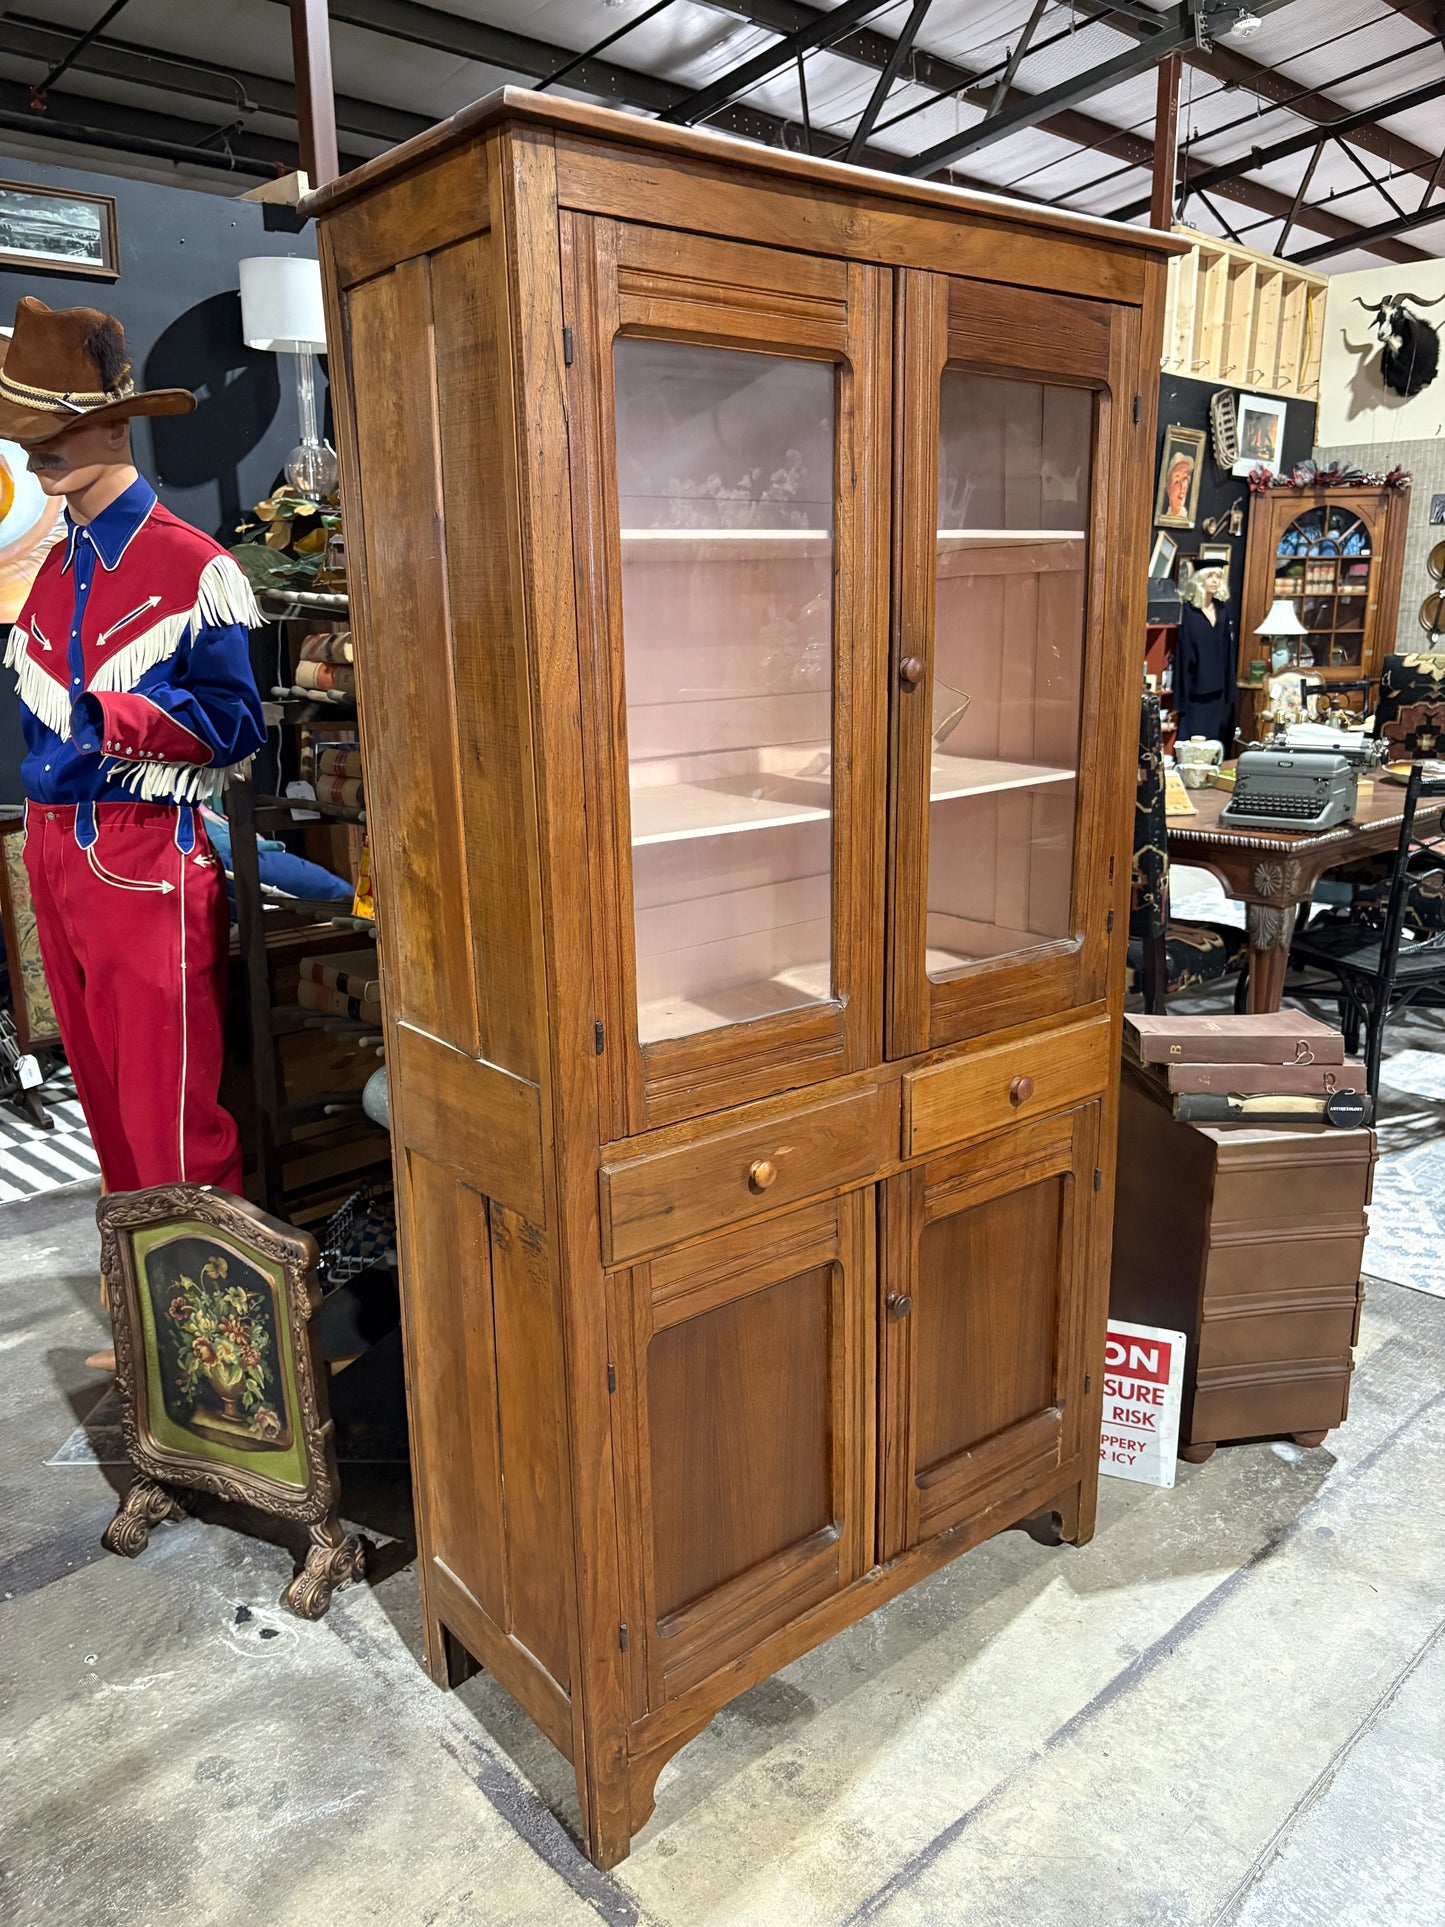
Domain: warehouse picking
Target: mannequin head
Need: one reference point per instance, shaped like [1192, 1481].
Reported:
[90, 465]
[1206, 586]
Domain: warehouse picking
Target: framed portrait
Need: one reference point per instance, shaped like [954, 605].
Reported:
[219, 1371]
[1185, 568]
[1161, 561]
[53, 227]
[1180, 465]
[1261, 434]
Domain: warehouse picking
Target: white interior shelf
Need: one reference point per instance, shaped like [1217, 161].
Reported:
[726, 545]
[798, 988]
[680, 812]
[1005, 538]
[952, 776]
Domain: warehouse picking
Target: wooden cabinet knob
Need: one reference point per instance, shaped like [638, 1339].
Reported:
[1021, 1090]
[761, 1173]
[910, 671]
[898, 1304]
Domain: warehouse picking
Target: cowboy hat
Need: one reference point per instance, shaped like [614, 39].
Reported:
[62, 366]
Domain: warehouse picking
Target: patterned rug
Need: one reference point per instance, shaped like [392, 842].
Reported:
[33, 1160]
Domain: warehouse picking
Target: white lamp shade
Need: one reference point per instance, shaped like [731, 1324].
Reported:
[281, 305]
[1282, 620]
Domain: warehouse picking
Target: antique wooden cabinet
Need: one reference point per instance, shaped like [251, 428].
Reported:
[746, 565]
[1336, 555]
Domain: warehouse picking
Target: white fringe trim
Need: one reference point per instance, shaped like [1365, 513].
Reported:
[174, 782]
[123, 670]
[46, 699]
[223, 595]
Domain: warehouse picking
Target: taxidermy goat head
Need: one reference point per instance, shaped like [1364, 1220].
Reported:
[1409, 346]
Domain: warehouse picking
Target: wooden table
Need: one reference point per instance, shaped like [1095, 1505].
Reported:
[1272, 872]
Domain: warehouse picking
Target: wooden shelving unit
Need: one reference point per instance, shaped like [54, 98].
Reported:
[300, 1144]
[1242, 319]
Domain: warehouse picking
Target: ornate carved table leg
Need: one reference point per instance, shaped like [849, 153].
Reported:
[1271, 930]
[334, 1560]
[144, 1506]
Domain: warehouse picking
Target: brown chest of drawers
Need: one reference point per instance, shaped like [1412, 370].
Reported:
[1249, 1241]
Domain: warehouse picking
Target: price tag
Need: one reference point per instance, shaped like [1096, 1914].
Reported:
[31, 1075]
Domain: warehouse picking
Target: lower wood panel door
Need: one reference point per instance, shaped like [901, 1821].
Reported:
[985, 1275]
[743, 1422]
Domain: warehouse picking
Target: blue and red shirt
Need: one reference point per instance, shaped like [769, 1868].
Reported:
[132, 663]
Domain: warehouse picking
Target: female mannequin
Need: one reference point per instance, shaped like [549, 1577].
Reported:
[1204, 661]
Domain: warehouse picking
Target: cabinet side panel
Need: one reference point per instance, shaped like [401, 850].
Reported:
[405, 657]
[479, 506]
[534, 1441]
[455, 1420]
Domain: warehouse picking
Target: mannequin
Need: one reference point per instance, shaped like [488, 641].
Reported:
[137, 697]
[1204, 661]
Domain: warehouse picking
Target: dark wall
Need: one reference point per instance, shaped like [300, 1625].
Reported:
[1185, 404]
[177, 299]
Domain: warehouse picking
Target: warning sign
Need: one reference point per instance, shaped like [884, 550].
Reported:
[1143, 1375]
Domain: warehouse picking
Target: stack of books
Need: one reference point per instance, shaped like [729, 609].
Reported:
[345, 985]
[1272, 1067]
[338, 775]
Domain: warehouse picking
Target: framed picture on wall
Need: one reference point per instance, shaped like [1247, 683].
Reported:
[1161, 562]
[1261, 434]
[1177, 502]
[53, 227]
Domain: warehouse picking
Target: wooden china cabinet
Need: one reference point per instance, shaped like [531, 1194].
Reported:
[747, 560]
[1336, 555]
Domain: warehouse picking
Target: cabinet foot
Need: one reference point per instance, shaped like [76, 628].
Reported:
[1058, 1525]
[1196, 1454]
[1309, 1438]
[446, 1659]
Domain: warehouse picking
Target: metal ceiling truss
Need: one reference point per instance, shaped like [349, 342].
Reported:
[82, 118]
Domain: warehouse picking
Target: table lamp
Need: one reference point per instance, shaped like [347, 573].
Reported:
[1282, 620]
[281, 312]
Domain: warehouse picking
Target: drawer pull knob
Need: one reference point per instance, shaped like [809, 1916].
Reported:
[761, 1173]
[910, 671]
[898, 1304]
[1021, 1090]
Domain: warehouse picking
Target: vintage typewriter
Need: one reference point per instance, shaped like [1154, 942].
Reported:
[1298, 782]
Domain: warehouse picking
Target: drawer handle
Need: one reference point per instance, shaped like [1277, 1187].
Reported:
[761, 1173]
[898, 1304]
[910, 671]
[1021, 1090]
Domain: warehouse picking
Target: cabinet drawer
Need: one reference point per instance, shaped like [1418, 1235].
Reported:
[1264, 1401]
[1270, 1335]
[989, 1089]
[665, 1197]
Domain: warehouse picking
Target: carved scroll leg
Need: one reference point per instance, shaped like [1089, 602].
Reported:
[144, 1506]
[1271, 931]
[335, 1560]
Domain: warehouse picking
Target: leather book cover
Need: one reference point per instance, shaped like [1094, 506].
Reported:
[1261, 1037]
[1246, 1080]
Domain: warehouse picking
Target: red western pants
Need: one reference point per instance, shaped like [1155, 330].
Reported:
[130, 907]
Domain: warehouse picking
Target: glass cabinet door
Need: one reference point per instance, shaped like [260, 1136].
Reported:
[741, 768]
[1003, 519]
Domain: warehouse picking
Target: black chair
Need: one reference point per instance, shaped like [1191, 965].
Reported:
[1166, 957]
[1382, 953]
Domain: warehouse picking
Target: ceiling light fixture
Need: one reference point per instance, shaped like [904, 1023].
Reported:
[1246, 25]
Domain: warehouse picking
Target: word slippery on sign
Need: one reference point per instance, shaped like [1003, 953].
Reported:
[1143, 1377]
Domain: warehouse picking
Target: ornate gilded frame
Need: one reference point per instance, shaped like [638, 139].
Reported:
[333, 1558]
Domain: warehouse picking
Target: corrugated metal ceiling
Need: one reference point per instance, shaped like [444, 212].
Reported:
[1354, 53]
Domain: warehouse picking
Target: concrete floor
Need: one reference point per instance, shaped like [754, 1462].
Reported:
[1227, 1708]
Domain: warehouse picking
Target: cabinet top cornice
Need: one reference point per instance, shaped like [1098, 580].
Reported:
[524, 106]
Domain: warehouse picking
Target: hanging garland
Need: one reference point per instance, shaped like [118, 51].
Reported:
[1335, 475]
